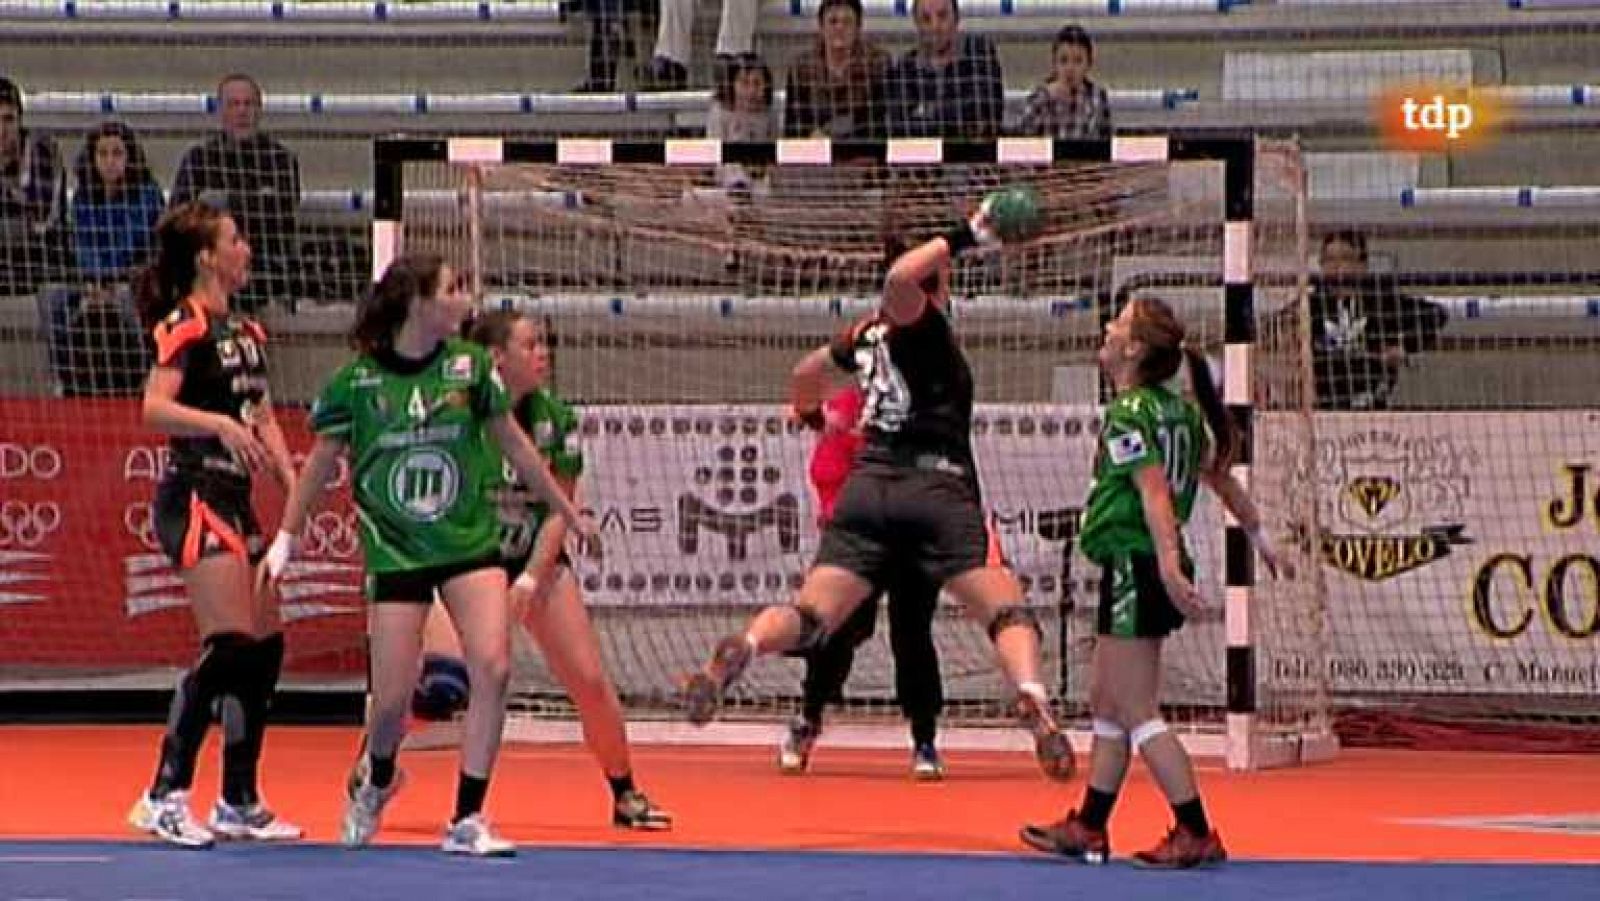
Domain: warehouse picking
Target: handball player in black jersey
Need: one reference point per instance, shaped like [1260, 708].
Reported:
[208, 392]
[912, 501]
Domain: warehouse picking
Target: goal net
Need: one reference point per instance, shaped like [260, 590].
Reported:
[681, 282]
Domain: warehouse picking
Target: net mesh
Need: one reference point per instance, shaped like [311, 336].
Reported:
[678, 304]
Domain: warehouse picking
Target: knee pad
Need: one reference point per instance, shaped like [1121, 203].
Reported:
[1145, 731]
[442, 688]
[1012, 616]
[812, 630]
[1108, 730]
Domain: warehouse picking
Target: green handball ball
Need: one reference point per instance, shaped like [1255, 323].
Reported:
[1016, 214]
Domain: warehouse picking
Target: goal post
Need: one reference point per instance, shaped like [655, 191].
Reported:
[680, 280]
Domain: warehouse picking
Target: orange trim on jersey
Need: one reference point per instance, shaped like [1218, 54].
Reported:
[201, 518]
[171, 338]
[994, 556]
[254, 329]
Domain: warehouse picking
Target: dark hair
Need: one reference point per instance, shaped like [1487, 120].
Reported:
[1074, 36]
[1156, 327]
[10, 95]
[232, 77]
[854, 5]
[385, 308]
[88, 174]
[730, 71]
[491, 329]
[955, 8]
[181, 233]
[1348, 236]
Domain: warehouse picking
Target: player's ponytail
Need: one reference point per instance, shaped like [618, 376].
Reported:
[385, 308]
[180, 235]
[1223, 429]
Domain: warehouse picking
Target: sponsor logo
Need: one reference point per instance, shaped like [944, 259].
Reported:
[1395, 502]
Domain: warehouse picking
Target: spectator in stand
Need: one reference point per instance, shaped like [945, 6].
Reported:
[736, 36]
[949, 85]
[741, 111]
[258, 180]
[118, 202]
[741, 105]
[836, 87]
[1068, 105]
[33, 202]
[1363, 330]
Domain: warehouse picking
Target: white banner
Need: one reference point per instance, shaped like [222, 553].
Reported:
[712, 504]
[1461, 550]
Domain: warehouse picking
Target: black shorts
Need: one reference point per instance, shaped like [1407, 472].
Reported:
[197, 518]
[418, 586]
[892, 516]
[515, 568]
[1133, 602]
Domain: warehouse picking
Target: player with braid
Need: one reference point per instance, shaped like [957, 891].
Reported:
[1154, 453]
[208, 391]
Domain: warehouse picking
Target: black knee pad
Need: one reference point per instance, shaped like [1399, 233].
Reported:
[442, 688]
[1016, 615]
[812, 630]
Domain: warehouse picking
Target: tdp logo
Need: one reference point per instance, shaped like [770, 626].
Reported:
[1372, 493]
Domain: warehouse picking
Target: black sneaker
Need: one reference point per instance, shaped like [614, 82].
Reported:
[633, 810]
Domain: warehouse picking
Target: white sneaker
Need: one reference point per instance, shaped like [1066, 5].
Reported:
[253, 822]
[472, 835]
[794, 754]
[363, 812]
[168, 818]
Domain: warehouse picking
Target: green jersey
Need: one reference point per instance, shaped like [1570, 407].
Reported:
[417, 450]
[553, 426]
[1148, 426]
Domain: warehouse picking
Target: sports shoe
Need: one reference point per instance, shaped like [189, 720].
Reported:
[251, 822]
[633, 810]
[702, 693]
[472, 835]
[1182, 849]
[794, 754]
[363, 812]
[1068, 837]
[1051, 747]
[926, 765]
[168, 818]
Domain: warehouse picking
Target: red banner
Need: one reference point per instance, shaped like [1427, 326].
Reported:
[84, 587]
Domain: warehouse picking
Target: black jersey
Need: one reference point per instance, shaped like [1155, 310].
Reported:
[916, 383]
[224, 371]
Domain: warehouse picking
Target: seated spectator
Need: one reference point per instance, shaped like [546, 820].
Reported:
[741, 111]
[1363, 330]
[836, 86]
[118, 201]
[736, 36]
[1068, 105]
[741, 105]
[258, 180]
[949, 85]
[33, 202]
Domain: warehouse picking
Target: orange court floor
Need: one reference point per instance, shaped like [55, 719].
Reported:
[77, 782]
